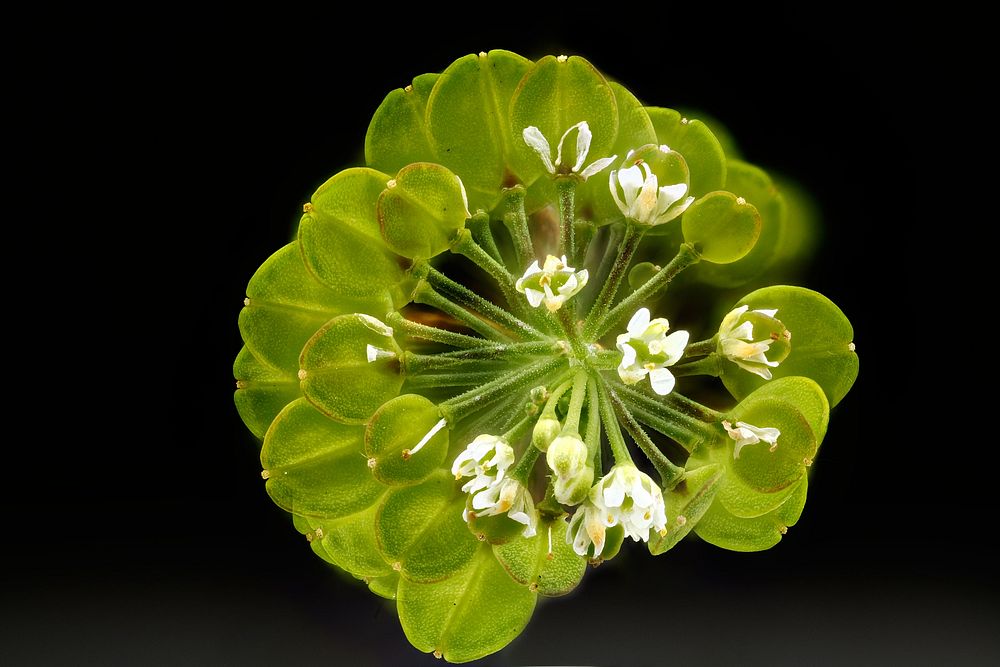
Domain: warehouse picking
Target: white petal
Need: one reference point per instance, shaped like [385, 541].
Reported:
[582, 277]
[614, 494]
[767, 312]
[644, 207]
[668, 195]
[637, 325]
[537, 141]
[598, 166]
[631, 375]
[662, 381]
[569, 286]
[583, 139]
[628, 355]
[674, 211]
[742, 332]
[371, 352]
[729, 321]
[465, 197]
[674, 345]
[532, 270]
[622, 206]
[534, 297]
[631, 180]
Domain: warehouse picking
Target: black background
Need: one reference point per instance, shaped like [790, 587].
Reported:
[168, 550]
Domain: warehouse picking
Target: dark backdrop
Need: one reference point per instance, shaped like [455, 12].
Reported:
[182, 559]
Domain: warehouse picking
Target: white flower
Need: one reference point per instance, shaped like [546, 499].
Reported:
[538, 143]
[736, 343]
[648, 350]
[644, 200]
[588, 526]
[633, 499]
[508, 496]
[554, 282]
[745, 434]
[486, 459]
[568, 458]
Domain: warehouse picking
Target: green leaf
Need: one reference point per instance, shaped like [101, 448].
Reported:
[315, 466]
[803, 225]
[420, 529]
[474, 613]
[528, 560]
[261, 391]
[554, 95]
[721, 226]
[349, 543]
[467, 115]
[397, 134]
[336, 374]
[685, 504]
[421, 210]
[723, 529]
[821, 344]
[341, 242]
[285, 306]
[755, 186]
[385, 587]
[395, 429]
[696, 142]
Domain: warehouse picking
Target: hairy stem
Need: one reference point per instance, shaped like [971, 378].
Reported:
[516, 221]
[626, 250]
[567, 217]
[417, 330]
[669, 473]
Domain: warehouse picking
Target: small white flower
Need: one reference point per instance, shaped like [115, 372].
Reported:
[635, 501]
[538, 143]
[510, 497]
[737, 344]
[554, 282]
[745, 434]
[644, 200]
[588, 526]
[486, 459]
[568, 458]
[648, 350]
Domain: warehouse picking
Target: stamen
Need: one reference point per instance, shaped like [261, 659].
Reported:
[407, 453]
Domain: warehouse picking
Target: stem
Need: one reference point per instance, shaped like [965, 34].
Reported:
[470, 299]
[626, 250]
[417, 330]
[482, 234]
[671, 417]
[572, 423]
[416, 363]
[593, 436]
[516, 221]
[605, 360]
[567, 217]
[425, 294]
[614, 235]
[568, 324]
[465, 245]
[523, 468]
[669, 473]
[434, 380]
[550, 405]
[457, 408]
[702, 347]
[685, 257]
[618, 448]
[710, 365]
[518, 430]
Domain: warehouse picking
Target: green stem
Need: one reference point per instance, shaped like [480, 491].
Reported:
[425, 294]
[593, 435]
[569, 327]
[466, 297]
[669, 473]
[567, 217]
[516, 221]
[626, 250]
[672, 416]
[604, 269]
[685, 257]
[517, 431]
[522, 470]
[619, 451]
[465, 245]
[605, 360]
[550, 405]
[702, 347]
[416, 363]
[433, 380]
[482, 234]
[710, 365]
[417, 330]
[572, 423]
[457, 408]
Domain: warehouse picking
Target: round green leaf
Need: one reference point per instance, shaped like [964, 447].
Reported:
[717, 128]
[685, 504]
[721, 226]
[640, 274]
[421, 210]
[314, 465]
[755, 186]
[421, 532]
[395, 429]
[803, 226]
[723, 529]
[468, 122]
[262, 391]
[340, 238]
[385, 587]
[529, 562]
[696, 142]
[476, 612]
[285, 306]
[554, 95]
[397, 134]
[822, 342]
[337, 376]
[349, 543]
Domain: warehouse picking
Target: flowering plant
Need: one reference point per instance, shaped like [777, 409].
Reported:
[406, 381]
